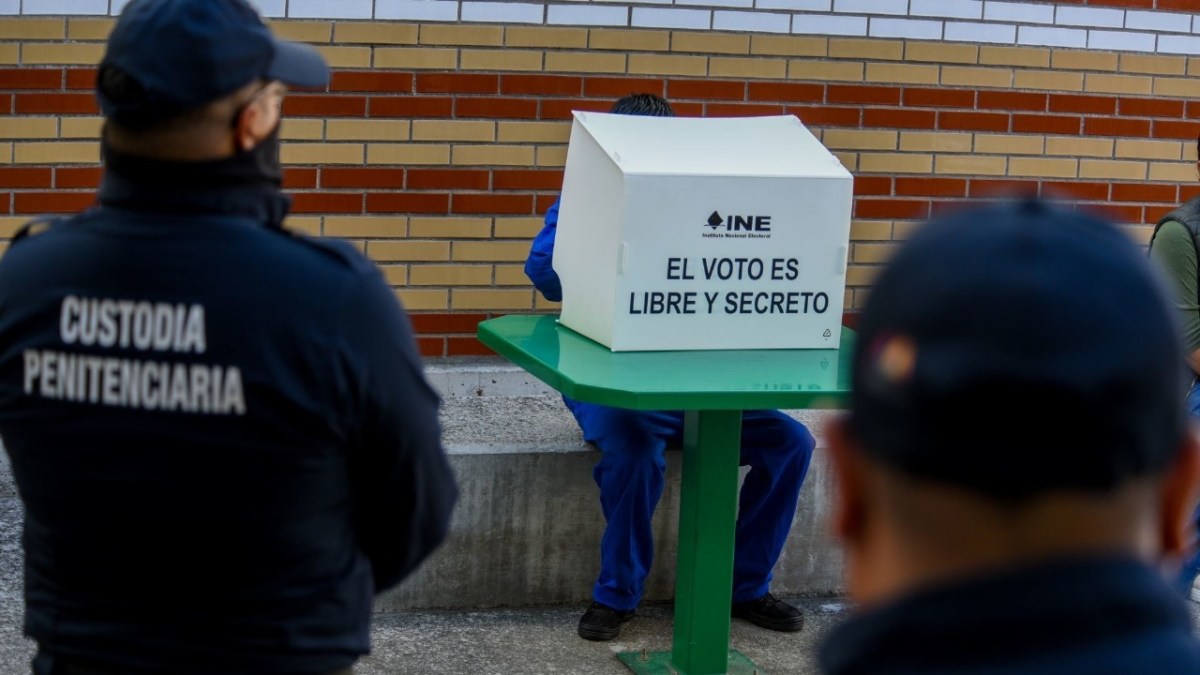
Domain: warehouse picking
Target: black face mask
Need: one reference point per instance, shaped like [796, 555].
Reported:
[246, 183]
[262, 161]
[259, 166]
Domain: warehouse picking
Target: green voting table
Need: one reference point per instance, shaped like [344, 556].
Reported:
[712, 388]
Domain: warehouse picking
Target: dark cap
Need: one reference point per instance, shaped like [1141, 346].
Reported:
[182, 54]
[1019, 348]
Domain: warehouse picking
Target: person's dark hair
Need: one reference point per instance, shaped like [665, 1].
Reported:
[648, 105]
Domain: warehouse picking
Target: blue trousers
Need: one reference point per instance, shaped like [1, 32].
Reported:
[631, 473]
[1191, 562]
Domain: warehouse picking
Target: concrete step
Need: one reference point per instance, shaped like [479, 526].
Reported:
[528, 525]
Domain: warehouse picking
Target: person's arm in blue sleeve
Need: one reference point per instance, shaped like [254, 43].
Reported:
[403, 488]
[539, 265]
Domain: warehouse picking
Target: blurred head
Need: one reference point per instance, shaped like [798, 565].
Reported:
[198, 77]
[647, 105]
[1018, 388]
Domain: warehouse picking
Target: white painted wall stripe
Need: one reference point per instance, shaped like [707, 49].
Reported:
[503, 12]
[1013, 22]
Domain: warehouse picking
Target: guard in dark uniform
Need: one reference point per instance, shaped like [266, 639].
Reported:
[1013, 473]
[220, 430]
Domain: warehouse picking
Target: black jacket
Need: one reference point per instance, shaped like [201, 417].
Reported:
[1093, 616]
[221, 431]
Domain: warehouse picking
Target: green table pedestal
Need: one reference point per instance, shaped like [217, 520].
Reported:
[704, 577]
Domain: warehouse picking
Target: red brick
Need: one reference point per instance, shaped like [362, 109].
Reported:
[527, 179]
[57, 104]
[1007, 100]
[326, 202]
[1000, 187]
[872, 185]
[1045, 124]
[81, 78]
[1186, 5]
[432, 346]
[560, 109]
[26, 178]
[827, 116]
[789, 92]
[410, 106]
[616, 87]
[408, 202]
[940, 209]
[447, 179]
[542, 85]
[1188, 190]
[497, 108]
[1171, 129]
[1153, 213]
[6, 104]
[848, 93]
[1139, 4]
[299, 179]
[707, 90]
[1097, 105]
[446, 323]
[938, 98]
[891, 208]
[1192, 110]
[466, 346]
[491, 203]
[931, 187]
[30, 78]
[371, 81]
[52, 202]
[688, 109]
[972, 121]
[320, 105]
[337, 177]
[741, 109]
[1075, 190]
[1118, 212]
[899, 118]
[78, 177]
[458, 83]
[1150, 107]
[1143, 192]
[1115, 126]
[544, 202]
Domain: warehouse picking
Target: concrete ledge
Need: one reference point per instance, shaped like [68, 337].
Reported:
[528, 525]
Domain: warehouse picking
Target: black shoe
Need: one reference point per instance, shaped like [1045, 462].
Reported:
[601, 622]
[771, 613]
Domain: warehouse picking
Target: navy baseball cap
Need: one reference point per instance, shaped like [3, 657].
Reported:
[183, 54]
[1019, 348]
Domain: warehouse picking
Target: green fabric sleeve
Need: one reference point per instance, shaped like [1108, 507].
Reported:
[1175, 251]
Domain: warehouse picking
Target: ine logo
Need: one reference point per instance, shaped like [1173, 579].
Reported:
[738, 226]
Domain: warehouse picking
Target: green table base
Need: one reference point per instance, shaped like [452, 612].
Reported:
[659, 663]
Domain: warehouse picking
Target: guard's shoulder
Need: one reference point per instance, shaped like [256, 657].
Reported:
[39, 225]
[337, 251]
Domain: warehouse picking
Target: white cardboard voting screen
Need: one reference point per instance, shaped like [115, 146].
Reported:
[690, 233]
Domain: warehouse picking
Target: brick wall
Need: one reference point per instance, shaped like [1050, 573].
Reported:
[439, 145]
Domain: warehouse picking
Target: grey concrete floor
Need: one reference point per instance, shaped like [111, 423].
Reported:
[493, 642]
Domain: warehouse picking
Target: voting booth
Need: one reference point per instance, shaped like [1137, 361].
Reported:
[682, 233]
